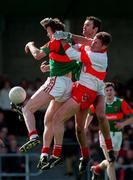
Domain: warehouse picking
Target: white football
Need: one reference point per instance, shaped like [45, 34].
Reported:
[17, 95]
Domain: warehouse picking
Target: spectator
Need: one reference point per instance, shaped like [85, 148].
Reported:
[4, 97]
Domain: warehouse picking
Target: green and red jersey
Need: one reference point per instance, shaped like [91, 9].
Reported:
[59, 68]
[116, 111]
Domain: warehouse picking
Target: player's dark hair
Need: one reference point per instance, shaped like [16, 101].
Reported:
[96, 22]
[109, 84]
[54, 23]
[105, 38]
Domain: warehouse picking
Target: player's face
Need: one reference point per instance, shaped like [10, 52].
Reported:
[88, 29]
[109, 92]
[49, 32]
[96, 45]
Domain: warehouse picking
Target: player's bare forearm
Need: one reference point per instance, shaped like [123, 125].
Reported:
[80, 39]
[36, 53]
[121, 125]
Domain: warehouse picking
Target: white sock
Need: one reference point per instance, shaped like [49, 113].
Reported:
[43, 154]
[34, 136]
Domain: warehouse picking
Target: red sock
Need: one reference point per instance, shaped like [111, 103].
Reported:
[85, 152]
[45, 150]
[57, 150]
[33, 134]
[97, 169]
[108, 143]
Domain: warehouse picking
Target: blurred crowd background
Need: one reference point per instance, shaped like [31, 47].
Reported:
[14, 133]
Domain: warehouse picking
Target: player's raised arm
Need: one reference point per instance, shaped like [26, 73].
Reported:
[121, 125]
[81, 40]
[36, 53]
[72, 53]
[76, 38]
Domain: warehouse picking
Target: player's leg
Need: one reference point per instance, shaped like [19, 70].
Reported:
[117, 142]
[67, 110]
[100, 112]
[39, 99]
[48, 133]
[86, 97]
[80, 118]
[82, 97]
[109, 166]
[82, 138]
[48, 91]
[62, 93]
[103, 123]
[105, 164]
[48, 128]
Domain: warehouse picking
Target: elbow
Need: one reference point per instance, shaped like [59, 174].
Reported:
[36, 56]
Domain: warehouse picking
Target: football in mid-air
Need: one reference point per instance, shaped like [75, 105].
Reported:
[17, 95]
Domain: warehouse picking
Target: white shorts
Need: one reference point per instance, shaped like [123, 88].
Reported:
[58, 87]
[101, 90]
[116, 140]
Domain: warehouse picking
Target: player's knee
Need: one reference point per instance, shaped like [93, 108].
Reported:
[26, 109]
[56, 123]
[55, 119]
[47, 124]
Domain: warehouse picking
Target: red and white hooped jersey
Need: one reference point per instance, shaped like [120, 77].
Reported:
[94, 66]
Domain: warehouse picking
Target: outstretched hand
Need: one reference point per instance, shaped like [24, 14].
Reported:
[58, 35]
[119, 125]
[27, 46]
